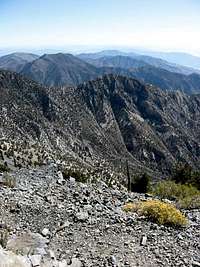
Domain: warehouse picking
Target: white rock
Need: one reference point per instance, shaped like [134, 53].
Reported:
[72, 180]
[52, 254]
[45, 232]
[144, 240]
[63, 263]
[76, 263]
[60, 175]
[195, 264]
[9, 259]
[35, 260]
[82, 216]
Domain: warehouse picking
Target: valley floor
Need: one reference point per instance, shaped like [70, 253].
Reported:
[84, 225]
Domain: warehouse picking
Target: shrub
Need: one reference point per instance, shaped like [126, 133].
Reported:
[4, 168]
[184, 174]
[187, 196]
[158, 212]
[4, 234]
[79, 177]
[191, 202]
[9, 180]
[141, 184]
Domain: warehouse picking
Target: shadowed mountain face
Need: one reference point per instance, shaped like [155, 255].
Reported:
[60, 69]
[110, 119]
[16, 61]
[167, 80]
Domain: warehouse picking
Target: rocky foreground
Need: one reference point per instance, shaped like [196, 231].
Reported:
[53, 222]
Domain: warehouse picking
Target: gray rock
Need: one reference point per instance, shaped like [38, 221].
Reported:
[45, 232]
[82, 216]
[144, 240]
[35, 260]
[195, 264]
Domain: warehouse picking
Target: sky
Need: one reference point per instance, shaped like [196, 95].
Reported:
[171, 25]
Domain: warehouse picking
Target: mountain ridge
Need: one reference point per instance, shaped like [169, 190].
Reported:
[16, 61]
[111, 119]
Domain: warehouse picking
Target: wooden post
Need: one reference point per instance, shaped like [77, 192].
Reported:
[128, 176]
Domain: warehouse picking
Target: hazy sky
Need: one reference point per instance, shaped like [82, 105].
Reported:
[152, 24]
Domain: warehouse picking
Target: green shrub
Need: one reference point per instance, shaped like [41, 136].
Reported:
[77, 175]
[191, 202]
[184, 174]
[141, 184]
[158, 212]
[186, 196]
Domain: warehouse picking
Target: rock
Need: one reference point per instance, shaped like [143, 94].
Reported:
[26, 243]
[88, 208]
[45, 232]
[60, 175]
[113, 261]
[60, 180]
[48, 199]
[35, 260]
[76, 263]
[167, 201]
[52, 254]
[82, 216]
[72, 180]
[63, 263]
[9, 259]
[196, 264]
[63, 226]
[143, 240]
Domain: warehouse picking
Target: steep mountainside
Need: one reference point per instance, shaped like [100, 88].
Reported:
[60, 69]
[16, 61]
[111, 119]
[167, 80]
[157, 76]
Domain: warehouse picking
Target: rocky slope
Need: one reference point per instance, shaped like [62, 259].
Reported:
[16, 61]
[66, 223]
[103, 122]
[155, 126]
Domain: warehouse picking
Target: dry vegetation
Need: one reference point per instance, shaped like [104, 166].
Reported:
[158, 212]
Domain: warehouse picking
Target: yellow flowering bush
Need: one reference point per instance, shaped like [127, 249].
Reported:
[158, 212]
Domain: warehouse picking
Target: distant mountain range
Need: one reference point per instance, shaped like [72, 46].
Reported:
[111, 119]
[16, 61]
[66, 69]
[179, 58]
[148, 59]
